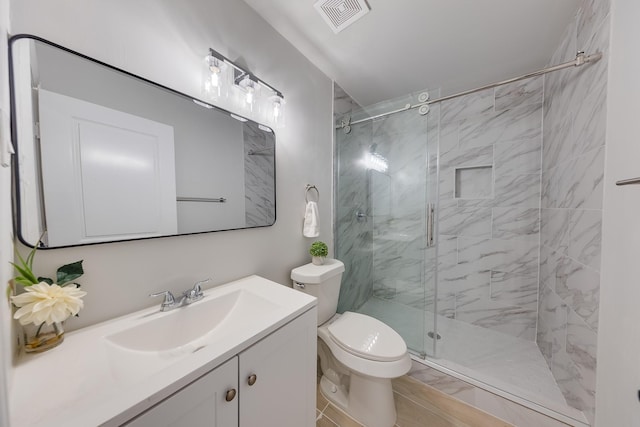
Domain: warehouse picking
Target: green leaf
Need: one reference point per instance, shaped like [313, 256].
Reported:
[32, 255]
[23, 281]
[26, 274]
[45, 279]
[69, 272]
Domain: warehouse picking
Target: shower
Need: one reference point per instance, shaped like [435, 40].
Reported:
[438, 221]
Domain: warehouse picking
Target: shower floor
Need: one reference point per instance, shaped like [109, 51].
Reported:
[510, 364]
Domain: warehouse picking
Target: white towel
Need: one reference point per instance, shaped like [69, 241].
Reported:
[311, 227]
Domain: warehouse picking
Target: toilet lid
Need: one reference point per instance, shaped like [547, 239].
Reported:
[367, 337]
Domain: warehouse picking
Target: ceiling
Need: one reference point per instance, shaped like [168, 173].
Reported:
[403, 46]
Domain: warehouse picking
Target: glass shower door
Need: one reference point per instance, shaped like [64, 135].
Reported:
[384, 189]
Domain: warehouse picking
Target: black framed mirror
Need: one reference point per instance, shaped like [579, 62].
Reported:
[103, 155]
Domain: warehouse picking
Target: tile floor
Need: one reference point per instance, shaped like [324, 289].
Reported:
[511, 364]
[505, 409]
[418, 405]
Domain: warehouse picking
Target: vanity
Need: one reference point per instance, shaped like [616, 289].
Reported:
[244, 355]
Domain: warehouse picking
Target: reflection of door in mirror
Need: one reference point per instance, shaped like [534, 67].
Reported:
[107, 175]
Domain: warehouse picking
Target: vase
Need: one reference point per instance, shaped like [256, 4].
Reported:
[39, 338]
[317, 260]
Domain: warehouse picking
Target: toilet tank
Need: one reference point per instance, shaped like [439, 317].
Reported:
[323, 282]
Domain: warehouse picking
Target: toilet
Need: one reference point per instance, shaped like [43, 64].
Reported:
[359, 355]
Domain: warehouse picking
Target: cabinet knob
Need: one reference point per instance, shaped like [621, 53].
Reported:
[252, 379]
[231, 394]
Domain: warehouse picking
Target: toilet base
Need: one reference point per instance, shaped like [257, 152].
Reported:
[368, 400]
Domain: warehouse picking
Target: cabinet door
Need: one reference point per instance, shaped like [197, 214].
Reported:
[282, 393]
[201, 403]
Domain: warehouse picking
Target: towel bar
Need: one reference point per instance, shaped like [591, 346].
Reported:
[202, 199]
[628, 181]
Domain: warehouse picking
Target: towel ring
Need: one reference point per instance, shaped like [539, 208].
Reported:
[309, 188]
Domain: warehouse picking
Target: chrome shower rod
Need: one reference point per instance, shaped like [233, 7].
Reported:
[579, 60]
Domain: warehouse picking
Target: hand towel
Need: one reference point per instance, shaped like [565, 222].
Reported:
[311, 227]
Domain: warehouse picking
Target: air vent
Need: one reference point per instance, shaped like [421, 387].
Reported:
[339, 14]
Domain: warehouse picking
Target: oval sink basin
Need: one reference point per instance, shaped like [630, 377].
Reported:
[198, 321]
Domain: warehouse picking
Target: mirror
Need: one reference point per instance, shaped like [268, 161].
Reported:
[103, 155]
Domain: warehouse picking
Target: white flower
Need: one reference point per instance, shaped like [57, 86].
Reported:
[45, 303]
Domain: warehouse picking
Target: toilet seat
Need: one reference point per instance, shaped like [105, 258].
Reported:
[367, 337]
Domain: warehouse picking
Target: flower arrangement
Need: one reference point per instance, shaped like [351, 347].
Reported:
[45, 304]
[318, 251]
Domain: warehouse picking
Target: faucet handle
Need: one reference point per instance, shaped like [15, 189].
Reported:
[169, 299]
[195, 293]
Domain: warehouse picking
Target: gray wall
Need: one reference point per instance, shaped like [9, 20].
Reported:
[618, 334]
[571, 221]
[6, 247]
[165, 41]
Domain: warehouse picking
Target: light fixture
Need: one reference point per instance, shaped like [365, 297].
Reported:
[250, 87]
[215, 76]
[252, 95]
[275, 110]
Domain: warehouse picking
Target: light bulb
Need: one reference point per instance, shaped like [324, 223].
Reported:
[276, 110]
[249, 95]
[213, 78]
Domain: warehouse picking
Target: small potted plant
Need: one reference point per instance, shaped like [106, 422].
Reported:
[319, 252]
[45, 304]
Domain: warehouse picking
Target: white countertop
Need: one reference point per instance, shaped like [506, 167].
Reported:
[80, 383]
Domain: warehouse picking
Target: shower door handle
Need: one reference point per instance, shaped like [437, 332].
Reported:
[430, 224]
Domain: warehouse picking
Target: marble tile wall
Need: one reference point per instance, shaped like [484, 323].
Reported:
[571, 214]
[489, 215]
[399, 205]
[354, 238]
[259, 177]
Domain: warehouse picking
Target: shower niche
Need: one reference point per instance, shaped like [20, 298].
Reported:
[474, 182]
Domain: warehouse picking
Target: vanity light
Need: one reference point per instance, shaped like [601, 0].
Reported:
[252, 95]
[277, 110]
[250, 88]
[215, 76]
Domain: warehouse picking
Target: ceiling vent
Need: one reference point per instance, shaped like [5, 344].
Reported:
[339, 14]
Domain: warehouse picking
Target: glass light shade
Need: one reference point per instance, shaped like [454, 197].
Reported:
[215, 78]
[276, 111]
[250, 92]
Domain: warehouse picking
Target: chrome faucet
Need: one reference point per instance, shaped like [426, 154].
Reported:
[192, 295]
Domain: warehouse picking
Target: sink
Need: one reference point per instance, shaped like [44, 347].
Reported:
[199, 323]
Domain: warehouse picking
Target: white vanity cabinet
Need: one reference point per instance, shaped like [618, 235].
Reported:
[210, 401]
[278, 377]
[274, 382]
